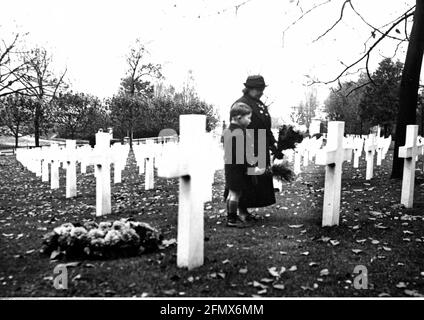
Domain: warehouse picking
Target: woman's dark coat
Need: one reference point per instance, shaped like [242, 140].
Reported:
[259, 190]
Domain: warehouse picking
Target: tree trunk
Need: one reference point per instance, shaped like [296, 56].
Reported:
[17, 136]
[131, 137]
[408, 94]
[422, 120]
[37, 125]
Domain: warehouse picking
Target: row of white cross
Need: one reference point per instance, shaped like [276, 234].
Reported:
[369, 144]
[194, 159]
[40, 160]
[335, 153]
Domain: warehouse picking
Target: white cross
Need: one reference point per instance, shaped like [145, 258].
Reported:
[348, 144]
[84, 153]
[54, 159]
[36, 161]
[358, 145]
[296, 166]
[305, 153]
[101, 160]
[387, 142]
[187, 165]
[409, 152]
[71, 168]
[119, 159]
[370, 147]
[139, 157]
[380, 148]
[149, 154]
[44, 164]
[314, 146]
[333, 156]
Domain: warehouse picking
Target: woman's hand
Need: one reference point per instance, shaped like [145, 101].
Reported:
[259, 171]
[277, 154]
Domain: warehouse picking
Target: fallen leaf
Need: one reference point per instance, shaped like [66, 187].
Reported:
[171, 292]
[167, 243]
[413, 293]
[243, 271]
[273, 272]
[324, 272]
[295, 226]
[77, 277]
[334, 242]
[55, 254]
[384, 294]
[71, 264]
[257, 284]
[261, 292]
[278, 286]
[304, 288]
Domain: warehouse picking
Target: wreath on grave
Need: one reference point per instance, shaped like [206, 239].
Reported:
[104, 240]
[287, 139]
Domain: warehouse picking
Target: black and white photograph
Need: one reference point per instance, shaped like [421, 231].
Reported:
[231, 151]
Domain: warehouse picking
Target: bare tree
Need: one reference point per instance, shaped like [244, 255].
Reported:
[137, 83]
[409, 85]
[39, 82]
[411, 72]
[11, 66]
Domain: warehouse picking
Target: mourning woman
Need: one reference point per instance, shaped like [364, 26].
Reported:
[259, 191]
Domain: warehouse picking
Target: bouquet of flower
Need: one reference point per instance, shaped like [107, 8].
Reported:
[281, 172]
[107, 239]
[287, 139]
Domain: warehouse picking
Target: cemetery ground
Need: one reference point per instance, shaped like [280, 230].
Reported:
[285, 254]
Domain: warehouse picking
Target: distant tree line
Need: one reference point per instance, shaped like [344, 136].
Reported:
[363, 104]
[35, 99]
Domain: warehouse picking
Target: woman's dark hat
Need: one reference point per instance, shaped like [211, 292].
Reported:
[255, 81]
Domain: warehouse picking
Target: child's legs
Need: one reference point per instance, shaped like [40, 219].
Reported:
[234, 195]
[232, 204]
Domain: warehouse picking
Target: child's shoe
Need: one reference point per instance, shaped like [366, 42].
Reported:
[237, 223]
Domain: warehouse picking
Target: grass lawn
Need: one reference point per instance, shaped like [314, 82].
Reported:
[374, 232]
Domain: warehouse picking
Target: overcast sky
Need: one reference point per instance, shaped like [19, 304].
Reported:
[92, 37]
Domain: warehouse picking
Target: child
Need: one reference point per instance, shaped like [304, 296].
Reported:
[236, 171]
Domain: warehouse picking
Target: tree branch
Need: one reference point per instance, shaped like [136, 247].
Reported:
[366, 55]
[336, 23]
[304, 14]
